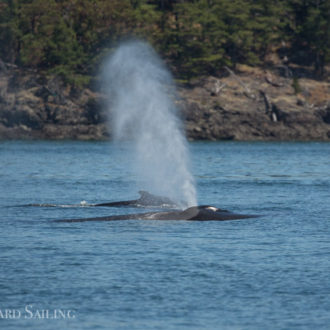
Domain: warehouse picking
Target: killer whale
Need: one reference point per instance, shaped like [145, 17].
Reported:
[195, 213]
[146, 199]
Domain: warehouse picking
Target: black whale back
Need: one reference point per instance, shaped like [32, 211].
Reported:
[208, 212]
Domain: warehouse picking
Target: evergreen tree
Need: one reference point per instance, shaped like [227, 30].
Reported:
[69, 37]
[268, 21]
[9, 31]
[311, 32]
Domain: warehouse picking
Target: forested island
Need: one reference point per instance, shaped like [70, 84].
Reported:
[246, 69]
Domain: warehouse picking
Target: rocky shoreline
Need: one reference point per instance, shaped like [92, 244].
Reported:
[250, 104]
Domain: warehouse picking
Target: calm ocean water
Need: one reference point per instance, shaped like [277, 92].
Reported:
[271, 272]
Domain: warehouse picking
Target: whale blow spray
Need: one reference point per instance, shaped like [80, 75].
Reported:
[141, 91]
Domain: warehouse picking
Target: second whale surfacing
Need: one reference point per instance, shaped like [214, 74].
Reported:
[195, 213]
[146, 200]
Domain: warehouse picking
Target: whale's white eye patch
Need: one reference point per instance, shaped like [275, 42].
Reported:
[212, 208]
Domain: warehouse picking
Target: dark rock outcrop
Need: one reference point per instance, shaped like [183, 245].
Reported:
[255, 104]
[33, 107]
[251, 104]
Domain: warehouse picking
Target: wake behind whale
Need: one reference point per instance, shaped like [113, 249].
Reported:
[141, 92]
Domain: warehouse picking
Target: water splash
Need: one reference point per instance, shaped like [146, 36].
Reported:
[141, 92]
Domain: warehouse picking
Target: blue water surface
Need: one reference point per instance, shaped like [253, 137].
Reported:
[271, 272]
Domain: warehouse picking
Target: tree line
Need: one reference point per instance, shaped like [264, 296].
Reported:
[195, 37]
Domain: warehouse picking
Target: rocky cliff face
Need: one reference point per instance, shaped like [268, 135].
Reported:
[251, 104]
[34, 107]
[256, 104]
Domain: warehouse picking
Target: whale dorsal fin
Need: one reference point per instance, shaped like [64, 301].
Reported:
[149, 199]
[144, 194]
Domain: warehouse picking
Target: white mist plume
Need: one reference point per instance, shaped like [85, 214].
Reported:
[140, 89]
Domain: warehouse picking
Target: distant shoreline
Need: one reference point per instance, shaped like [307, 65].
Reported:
[250, 104]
